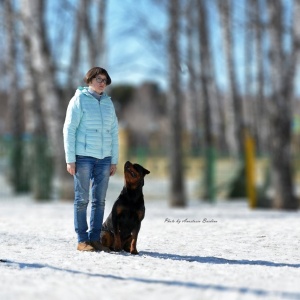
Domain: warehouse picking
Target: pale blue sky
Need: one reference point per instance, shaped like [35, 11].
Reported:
[133, 57]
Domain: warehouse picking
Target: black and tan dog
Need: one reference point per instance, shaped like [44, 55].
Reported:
[121, 228]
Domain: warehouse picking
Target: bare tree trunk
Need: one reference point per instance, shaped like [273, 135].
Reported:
[72, 73]
[226, 17]
[206, 85]
[280, 115]
[32, 13]
[260, 111]
[222, 141]
[88, 29]
[95, 35]
[248, 58]
[101, 53]
[40, 158]
[19, 181]
[177, 191]
[219, 124]
[293, 60]
[194, 109]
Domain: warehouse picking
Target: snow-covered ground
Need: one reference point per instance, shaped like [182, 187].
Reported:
[220, 251]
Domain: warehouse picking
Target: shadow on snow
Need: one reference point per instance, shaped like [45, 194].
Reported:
[194, 285]
[217, 260]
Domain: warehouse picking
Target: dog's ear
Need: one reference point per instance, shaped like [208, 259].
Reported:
[145, 171]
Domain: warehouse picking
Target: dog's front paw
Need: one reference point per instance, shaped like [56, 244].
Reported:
[134, 251]
[117, 247]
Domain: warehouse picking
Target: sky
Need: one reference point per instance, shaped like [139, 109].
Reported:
[139, 58]
[132, 57]
[136, 37]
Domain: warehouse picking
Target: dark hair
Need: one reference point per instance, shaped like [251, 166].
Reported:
[94, 72]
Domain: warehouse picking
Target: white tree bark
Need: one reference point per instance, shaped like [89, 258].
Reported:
[193, 108]
[280, 108]
[14, 100]
[95, 35]
[42, 64]
[234, 110]
[177, 190]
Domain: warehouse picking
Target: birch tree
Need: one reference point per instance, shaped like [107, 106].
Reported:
[40, 158]
[206, 88]
[282, 68]
[235, 101]
[74, 63]
[95, 34]
[193, 119]
[260, 116]
[32, 14]
[18, 178]
[177, 190]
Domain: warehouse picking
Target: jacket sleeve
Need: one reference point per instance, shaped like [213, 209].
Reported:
[72, 121]
[115, 140]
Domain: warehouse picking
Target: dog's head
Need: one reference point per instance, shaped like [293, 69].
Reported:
[134, 175]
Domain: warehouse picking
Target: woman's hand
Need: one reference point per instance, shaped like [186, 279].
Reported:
[113, 169]
[71, 168]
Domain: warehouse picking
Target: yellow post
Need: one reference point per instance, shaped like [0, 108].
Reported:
[250, 169]
[123, 148]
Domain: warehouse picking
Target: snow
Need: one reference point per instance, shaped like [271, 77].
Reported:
[205, 251]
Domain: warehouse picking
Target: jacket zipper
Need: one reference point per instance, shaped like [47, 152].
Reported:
[101, 125]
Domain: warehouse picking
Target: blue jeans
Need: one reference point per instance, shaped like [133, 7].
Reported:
[97, 171]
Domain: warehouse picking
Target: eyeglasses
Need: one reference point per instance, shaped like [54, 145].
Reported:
[100, 80]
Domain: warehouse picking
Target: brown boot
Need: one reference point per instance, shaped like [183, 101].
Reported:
[99, 247]
[85, 246]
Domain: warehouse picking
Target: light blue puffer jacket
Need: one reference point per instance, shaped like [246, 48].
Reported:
[91, 127]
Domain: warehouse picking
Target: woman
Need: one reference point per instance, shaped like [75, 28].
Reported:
[91, 148]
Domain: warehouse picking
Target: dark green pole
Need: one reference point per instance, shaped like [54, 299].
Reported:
[210, 174]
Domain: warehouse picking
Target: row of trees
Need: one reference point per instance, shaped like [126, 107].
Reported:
[264, 106]
[232, 63]
[33, 55]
